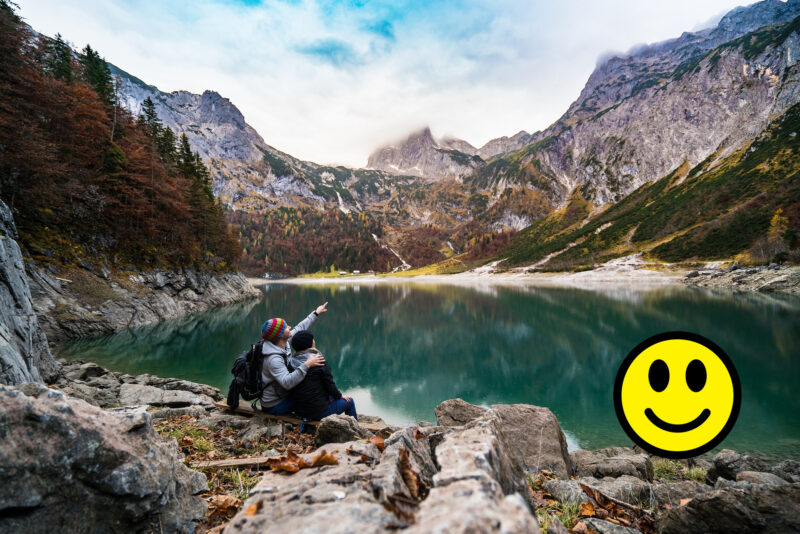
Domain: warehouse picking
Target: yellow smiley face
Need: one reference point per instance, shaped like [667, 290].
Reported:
[677, 395]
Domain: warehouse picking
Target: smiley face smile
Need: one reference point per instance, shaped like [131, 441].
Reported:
[670, 427]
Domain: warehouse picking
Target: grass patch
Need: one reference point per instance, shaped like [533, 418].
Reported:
[566, 513]
[92, 289]
[673, 470]
[239, 483]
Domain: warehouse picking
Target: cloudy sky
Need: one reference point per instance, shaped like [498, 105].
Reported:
[331, 81]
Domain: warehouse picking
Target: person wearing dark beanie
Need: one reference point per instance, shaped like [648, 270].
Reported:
[317, 396]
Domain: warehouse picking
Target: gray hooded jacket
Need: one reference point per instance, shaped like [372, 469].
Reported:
[275, 375]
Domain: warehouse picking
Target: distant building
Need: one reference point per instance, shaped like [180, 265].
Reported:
[342, 273]
[356, 272]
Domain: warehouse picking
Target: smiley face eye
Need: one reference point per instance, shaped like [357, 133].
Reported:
[658, 375]
[696, 375]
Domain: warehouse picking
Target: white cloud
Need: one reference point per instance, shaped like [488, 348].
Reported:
[330, 81]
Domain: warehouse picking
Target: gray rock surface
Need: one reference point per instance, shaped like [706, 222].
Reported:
[534, 430]
[643, 114]
[536, 433]
[24, 354]
[339, 429]
[68, 466]
[422, 156]
[625, 488]
[135, 300]
[605, 527]
[611, 462]
[256, 430]
[733, 510]
[457, 412]
[671, 493]
[788, 470]
[171, 397]
[785, 279]
[756, 477]
[433, 479]
[728, 463]
[133, 394]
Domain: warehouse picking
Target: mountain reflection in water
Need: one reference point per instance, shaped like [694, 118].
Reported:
[403, 348]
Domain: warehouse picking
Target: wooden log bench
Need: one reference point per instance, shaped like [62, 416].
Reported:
[243, 463]
[246, 409]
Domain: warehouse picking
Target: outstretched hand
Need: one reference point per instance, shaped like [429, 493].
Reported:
[322, 308]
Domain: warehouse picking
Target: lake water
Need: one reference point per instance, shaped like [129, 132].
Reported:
[401, 349]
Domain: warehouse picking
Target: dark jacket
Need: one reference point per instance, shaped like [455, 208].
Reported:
[312, 395]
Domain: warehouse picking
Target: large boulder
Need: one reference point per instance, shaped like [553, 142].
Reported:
[534, 430]
[24, 353]
[672, 493]
[611, 462]
[757, 477]
[457, 412]
[728, 463]
[626, 488]
[733, 510]
[339, 429]
[67, 465]
[135, 394]
[536, 433]
[788, 470]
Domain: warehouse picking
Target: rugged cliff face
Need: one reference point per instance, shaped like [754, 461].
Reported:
[641, 116]
[24, 354]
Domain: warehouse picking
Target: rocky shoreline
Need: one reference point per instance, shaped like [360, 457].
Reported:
[79, 303]
[505, 468]
[771, 278]
[630, 271]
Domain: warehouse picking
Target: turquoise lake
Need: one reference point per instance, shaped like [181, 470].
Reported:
[400, 349]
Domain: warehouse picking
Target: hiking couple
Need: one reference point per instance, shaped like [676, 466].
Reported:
[298, 382]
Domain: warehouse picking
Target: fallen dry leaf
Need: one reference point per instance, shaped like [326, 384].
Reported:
[223, 505]
[324, 458]
[378, 441]
[253, 509]
[418, 434]
[586, 509]
[417, 488]
[686, 501]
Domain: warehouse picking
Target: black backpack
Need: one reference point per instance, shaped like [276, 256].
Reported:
[246, 376]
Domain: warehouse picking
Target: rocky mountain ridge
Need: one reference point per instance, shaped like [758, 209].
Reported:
[641, 116]
[448, 158]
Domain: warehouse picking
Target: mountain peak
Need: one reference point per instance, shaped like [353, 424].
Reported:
[421, 155]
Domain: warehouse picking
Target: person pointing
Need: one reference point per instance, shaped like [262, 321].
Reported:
[275, 374]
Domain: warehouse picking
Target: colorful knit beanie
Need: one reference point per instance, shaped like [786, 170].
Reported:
[273, 329]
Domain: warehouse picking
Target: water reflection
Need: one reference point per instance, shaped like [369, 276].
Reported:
[402, 349]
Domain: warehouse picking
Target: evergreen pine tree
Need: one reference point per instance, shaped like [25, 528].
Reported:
[185, 159]
[166, 145]
[150, 118]
[203, 177]
[98, 74]
[59, 62]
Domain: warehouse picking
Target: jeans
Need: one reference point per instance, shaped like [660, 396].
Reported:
[282, 408]
[341, 406]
